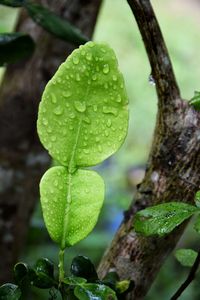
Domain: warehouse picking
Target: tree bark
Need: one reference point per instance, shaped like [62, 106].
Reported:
[23, 160]
[172, 172]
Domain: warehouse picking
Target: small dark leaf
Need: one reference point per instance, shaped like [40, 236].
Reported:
[74, 280]
[54, 24]
[195, 101]
[42, 274]
[197, 224]
[21, 271]
[197, 199]
[13, 3]
[10, 291]
[111, 279]
[90, 291]
[82, 267]
[163, 218]
[14, 47]
[186, 257]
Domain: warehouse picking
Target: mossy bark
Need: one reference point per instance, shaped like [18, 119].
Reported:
[173, 166]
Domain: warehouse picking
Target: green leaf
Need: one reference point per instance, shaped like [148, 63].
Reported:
[197, 224]
[91, 291]
[10, 291]
[197, 199]
[21, 271]
[74, 280]
[83, 115]
[122, 286]
[14, 47]
[13, 3]
[186, 257]
[42, 274]
[82, 266]
[195, 101]
[71, 203]
[163, 218]
[54, 24]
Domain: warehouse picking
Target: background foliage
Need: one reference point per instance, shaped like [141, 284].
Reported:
[179, 20]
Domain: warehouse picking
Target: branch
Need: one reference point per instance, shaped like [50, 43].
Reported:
[161, 66]
[172, 170]
[189, 279]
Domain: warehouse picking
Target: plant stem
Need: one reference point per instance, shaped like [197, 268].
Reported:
[189, 279]
[61, 265]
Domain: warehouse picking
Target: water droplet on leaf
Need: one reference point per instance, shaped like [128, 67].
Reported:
[58, 110]
[106, 69]
[80, 106]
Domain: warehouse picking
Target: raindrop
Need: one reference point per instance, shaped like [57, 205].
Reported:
[71, 127]
[97, 139]
[106, 85]
[91, 44]
[78, 77]
[151, 80]
[53, 98]
[109, 123]
[86, 151]
[95, 107]
[106, 133]
[67, 94]
[45, 122]
[94, 77]
[106, 69]
[80, 106]
[89, 56]
[110, 110]
[99, 148]
[75, 60]
[87, 120]
[119, 99]
[114, 78]
[82, 52]
[53, 138]
[58, 110]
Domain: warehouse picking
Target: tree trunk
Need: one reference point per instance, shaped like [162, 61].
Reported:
[172, 172]
[23, 159]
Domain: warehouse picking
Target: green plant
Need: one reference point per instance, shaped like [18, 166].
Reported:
[82, 120]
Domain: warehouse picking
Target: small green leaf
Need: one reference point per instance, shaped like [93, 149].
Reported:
[54, 24]
[122, 286]
[163, 218]
[197, 199]
[82, 266]
[10, 291]
[14, 47]
[42, 274]
[21, 271]
[83, 115]
[186, 257]
[197, 224]
[12, 3]
[91, 291]
[195, 101]
[71, 203]
[74, 280]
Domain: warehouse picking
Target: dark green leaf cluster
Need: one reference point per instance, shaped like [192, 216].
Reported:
[163, 218]
[83, 282]
[15, 46]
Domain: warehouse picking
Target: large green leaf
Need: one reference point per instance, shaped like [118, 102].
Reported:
[186, 257]
[12, 3]
[10, 291]
[163, 218]
[15, 46]
[91, 291]
[83, 115]
[71, 203]
[54, 24]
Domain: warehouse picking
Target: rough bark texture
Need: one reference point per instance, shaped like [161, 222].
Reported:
[22, 159]
[172, 171]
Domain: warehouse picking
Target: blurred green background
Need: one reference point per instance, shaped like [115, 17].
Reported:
[180, 23]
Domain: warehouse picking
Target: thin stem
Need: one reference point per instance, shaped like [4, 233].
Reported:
[61, 266]
[189, 279]
[156, 49]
